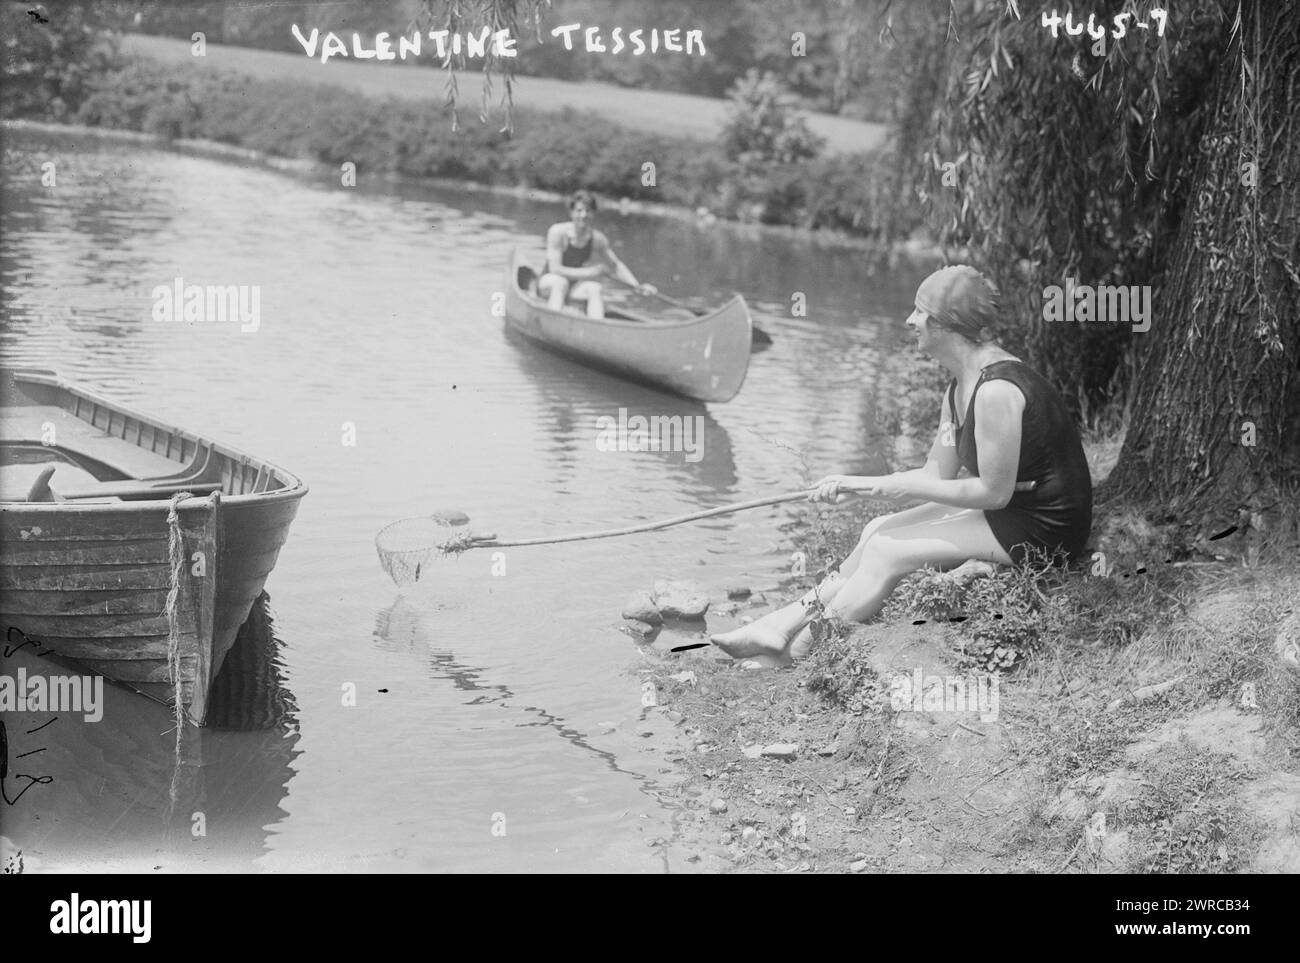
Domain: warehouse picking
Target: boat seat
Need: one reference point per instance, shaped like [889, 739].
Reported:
[201, 476]
[24, 425]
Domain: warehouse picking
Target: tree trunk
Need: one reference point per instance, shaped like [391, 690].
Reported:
[1224, 346]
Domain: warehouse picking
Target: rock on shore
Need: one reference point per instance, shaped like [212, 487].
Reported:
[680, 599]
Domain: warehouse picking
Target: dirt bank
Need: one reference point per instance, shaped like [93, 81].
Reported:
[1150, 722]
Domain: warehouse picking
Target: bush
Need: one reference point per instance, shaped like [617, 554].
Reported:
[764, 127]
[554, 152]
[769, 145]
[1004, 616]
[841, 192]
[48, 67]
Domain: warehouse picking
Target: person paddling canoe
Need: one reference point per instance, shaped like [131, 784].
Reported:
[1005, 476]
[577, 255]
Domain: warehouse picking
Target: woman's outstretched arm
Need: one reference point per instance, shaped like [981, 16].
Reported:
[999, 406]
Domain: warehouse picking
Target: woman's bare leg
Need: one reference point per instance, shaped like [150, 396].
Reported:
[590, 291]
[943, 540]
[555, 288]
[944, 543]
[776, 628]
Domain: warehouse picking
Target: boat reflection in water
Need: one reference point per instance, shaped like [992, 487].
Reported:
[571, 399]
[125, 794]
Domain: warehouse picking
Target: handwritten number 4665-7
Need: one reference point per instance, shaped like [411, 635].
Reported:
[1096, 31]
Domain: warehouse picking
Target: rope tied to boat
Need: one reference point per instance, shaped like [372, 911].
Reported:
[176, 571]
[176, 558]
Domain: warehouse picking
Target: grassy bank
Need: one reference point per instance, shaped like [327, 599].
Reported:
[1146, 721]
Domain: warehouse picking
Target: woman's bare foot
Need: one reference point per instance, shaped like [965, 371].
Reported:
[765, 640]
[755, 641]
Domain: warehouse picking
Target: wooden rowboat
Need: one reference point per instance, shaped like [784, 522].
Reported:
[703, 358]
[86, 554]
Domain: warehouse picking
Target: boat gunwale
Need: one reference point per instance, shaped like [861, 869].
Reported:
[294, 490]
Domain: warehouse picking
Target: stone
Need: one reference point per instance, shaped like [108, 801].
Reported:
[787, 751]
[738, 592]
[679, 599]
[858, 867]
[638, 631]
[718, 806]
[640, 605]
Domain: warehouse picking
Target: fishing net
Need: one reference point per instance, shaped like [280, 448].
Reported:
[407, 546]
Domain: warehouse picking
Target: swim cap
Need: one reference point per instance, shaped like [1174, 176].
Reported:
[960, 298]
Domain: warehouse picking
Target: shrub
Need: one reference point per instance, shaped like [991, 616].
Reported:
[764, 127]
[49, 67]
[554, 152]
[840, 192]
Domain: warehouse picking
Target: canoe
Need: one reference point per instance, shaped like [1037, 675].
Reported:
[87, 561]
[704, 358]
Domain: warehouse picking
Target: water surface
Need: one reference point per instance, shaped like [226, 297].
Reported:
[479, 696]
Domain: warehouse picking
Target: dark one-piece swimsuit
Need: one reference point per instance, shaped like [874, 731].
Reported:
[1057, 513]
[573, 256]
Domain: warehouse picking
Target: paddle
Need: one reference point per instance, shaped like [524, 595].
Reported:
[760, 336]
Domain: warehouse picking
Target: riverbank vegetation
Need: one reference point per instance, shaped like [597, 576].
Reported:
[765, 167]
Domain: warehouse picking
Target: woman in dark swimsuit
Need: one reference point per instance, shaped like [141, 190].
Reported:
[1005, 475]
[577, 256]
